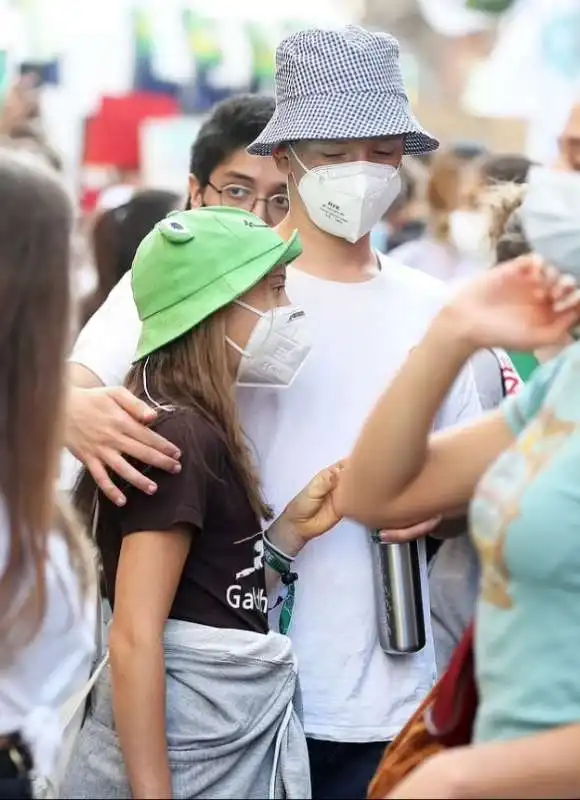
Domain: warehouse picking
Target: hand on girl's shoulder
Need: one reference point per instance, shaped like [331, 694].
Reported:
[194, 433]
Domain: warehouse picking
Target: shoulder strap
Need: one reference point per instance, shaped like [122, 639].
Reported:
[510, 380]
[77, 700]
[99, 633]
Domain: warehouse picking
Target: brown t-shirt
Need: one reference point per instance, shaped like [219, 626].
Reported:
[222, 584]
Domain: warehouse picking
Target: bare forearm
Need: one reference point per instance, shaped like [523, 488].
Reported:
[392, 447]
[139, 706]
[540, 766]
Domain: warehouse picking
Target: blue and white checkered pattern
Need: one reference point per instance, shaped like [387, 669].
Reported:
[341, 84]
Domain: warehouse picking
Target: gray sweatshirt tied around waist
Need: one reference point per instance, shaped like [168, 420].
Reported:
[232, 729]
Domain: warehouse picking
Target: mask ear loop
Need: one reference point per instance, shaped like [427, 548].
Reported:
[146, 390]
[298, 159]
[269, 315]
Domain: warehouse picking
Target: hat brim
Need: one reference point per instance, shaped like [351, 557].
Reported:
[170, 323]
[363, 115]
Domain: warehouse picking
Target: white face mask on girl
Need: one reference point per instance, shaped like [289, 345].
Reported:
[469, 234]
[348, 200]
[276, 350]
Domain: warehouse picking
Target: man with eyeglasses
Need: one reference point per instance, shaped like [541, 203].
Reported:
[221, 173]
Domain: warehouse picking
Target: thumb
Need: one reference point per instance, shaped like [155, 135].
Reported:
[139, 410]
[411, 534]
[323, 483]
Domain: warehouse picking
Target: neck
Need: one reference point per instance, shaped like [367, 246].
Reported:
[329, 257]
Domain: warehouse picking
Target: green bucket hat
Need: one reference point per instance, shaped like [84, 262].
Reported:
[195, 262]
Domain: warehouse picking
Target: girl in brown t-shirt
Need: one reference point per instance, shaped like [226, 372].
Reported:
[187, 568]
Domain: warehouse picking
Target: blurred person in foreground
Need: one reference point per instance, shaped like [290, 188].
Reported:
[517, 469]
[455, 572]
[496, 375]
[339, 131]
[47, 576]
[116, 234]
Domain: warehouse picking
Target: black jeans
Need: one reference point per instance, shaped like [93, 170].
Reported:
[342, 770]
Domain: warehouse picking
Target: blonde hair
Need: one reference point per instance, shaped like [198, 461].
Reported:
[501, 202]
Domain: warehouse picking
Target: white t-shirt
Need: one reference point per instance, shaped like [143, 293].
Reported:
[362, 333]
[55, 664]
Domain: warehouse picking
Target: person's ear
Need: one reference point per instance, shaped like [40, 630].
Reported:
[195, 192]
[281, 156]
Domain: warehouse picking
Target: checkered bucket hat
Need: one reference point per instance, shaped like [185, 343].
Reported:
[341, 84]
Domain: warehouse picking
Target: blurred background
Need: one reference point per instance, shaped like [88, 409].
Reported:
[117, 89]
[125, 83]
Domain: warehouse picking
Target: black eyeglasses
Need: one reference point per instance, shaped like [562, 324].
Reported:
[236, 196]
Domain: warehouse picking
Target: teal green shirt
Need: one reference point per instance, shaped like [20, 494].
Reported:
[525, 521]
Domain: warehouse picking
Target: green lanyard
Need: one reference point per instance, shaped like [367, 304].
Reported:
[287, 609]
[282, 564]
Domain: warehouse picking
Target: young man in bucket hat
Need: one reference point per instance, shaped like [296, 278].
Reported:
[341, 126]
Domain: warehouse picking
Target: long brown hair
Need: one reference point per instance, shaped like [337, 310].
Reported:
[194, 372]
[35, 227]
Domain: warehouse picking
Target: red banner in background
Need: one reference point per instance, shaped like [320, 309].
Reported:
[112, 134]
[112, 142]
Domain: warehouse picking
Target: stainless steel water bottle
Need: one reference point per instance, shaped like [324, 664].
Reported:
[399, 596]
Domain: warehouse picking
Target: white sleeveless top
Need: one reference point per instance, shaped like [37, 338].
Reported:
[54, 664]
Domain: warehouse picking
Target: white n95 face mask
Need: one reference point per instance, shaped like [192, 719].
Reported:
[469, 233]
[347, 200]
[550, 216]
[276, 350]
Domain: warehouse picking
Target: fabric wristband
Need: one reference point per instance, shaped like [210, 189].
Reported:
[281, 563]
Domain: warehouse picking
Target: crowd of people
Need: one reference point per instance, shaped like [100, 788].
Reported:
[341, 334]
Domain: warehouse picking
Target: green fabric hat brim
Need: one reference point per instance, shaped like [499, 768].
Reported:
[170, 323]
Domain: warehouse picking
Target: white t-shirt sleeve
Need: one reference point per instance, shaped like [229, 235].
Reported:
[108, 342]
[462, 404]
